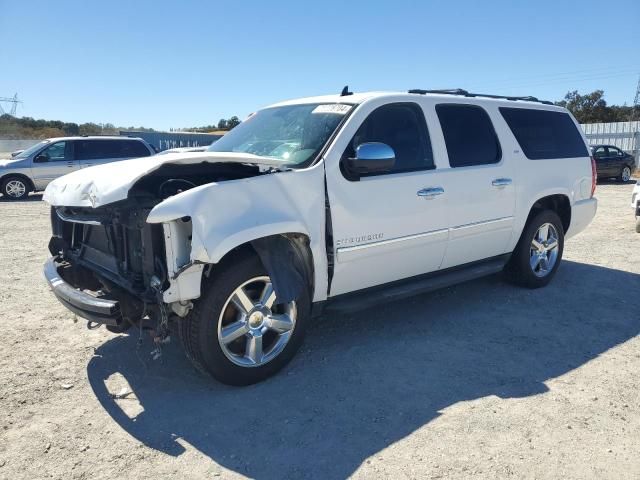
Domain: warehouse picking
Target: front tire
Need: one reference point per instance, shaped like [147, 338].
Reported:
[625, 175]
[638, 225]
[237, 331]
[15, 188]
[538, 253]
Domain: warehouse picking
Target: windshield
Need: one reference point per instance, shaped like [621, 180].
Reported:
[30, 150]
[294, 133]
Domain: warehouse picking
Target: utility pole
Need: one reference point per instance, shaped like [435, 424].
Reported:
[14, 101]
[636, 103]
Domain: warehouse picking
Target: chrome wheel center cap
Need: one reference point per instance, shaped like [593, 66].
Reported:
[256, 319]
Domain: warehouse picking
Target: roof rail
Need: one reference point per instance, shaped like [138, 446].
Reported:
[460, 91]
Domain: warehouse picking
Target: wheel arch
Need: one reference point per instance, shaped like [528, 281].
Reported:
[557, 202]
[286, 256]
[22, 176]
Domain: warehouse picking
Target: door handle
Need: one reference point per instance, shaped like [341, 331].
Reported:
[431, 192]
[501, 182]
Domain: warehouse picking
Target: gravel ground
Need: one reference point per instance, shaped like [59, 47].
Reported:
[481, 380]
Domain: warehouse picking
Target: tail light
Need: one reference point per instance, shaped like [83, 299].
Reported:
[594, 176]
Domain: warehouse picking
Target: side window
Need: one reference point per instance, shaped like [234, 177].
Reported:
[469, 135]
[102, 149]
[402, 126]
[90, 150]
[614, 152]
[600, 152]
[115, 149]
[545, 134]
[134, 148]
[57, 152]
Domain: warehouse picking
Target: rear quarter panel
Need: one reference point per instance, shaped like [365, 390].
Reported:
[536, 179]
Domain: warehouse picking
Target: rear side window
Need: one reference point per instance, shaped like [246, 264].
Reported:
[544, 134]
[134, 148]
[600, 152]
[402, 126]
[106, 149]
[469, 135]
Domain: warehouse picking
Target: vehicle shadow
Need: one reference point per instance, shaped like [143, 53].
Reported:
[33, 197]
[363, 382]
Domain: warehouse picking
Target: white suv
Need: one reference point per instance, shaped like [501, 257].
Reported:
[316, 204]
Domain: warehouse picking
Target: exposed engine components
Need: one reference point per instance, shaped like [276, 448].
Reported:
[173, 186]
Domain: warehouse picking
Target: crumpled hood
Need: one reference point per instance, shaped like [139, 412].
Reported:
[111, 182]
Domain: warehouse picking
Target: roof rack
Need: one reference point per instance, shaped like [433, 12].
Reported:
[460, 91]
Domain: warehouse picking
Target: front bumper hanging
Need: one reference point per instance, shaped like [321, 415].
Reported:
[95, 309]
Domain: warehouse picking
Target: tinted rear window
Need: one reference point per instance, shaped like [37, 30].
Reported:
[545, 134]
[469, 135]
[134, 148]
[106, 149]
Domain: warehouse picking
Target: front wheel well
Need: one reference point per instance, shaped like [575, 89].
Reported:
[21, 176]
[558, 203]
[287, 258]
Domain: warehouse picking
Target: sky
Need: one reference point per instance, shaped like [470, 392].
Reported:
[182, 64]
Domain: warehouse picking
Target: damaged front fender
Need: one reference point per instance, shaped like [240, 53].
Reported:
[205, 223]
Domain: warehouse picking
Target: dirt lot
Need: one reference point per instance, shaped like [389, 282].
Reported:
[481, 380]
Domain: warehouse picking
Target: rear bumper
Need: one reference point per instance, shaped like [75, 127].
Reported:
[99, 310]
[582, 213]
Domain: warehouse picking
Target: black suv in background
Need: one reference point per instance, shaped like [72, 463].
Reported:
[613, 162]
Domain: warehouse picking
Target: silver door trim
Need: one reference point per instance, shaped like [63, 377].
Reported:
[479, 227]
[347, 254]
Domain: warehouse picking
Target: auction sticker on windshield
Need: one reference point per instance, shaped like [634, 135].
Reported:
[337, 108]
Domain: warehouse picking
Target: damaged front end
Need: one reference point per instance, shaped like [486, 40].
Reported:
[111, 267]
[109, 256]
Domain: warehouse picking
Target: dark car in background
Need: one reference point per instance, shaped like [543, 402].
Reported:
[611, 162]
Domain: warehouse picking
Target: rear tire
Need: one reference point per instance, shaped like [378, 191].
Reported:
[625, 175]
[15, 188]
[537, 255]
[241, 361]
[638, 225]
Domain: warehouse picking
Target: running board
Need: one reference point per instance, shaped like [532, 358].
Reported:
[370, 297]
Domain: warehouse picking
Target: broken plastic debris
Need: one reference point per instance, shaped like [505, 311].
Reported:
[123, 393]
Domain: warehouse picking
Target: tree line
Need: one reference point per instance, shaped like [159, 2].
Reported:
[27, 127]
[587, 108]
[593, 108]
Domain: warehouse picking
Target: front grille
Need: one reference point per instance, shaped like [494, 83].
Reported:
[116, 244]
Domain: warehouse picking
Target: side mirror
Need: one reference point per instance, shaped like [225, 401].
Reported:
[41, 158]
[372, 157]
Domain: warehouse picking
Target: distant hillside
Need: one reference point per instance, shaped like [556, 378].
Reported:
[27, 127]
[14, 128]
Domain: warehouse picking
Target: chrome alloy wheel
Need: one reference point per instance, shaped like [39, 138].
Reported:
[544, 250]
[252, 330]
[15, 188]
[626, 174]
